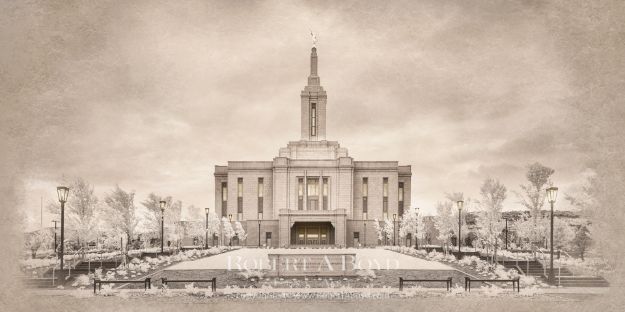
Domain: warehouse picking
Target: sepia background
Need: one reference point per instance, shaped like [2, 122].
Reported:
[150, 95]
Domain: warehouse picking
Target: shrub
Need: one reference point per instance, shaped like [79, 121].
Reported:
[81, 280]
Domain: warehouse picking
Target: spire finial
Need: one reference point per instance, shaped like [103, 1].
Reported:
[314, 39]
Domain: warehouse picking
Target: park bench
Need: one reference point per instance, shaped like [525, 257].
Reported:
[402, 281]
[468, 280]
[213, 281]
[98, 283]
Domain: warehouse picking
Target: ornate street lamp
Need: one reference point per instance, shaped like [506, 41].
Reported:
[552, 194]
[394, 218]
[206, 240]
[62, 192]
[460, 204]
[162, 204]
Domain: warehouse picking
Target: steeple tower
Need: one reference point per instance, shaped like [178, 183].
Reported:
[313, 105]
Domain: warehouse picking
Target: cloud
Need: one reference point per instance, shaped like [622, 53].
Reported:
[152, 96]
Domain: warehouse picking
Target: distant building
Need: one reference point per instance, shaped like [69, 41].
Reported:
[313, 193]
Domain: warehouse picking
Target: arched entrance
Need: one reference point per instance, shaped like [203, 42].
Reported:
[312, 233]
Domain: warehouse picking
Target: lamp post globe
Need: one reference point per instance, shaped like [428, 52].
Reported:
[552, 194]
[460, 205]
[62, 192]
[162, 204]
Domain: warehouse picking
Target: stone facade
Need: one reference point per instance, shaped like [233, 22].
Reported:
[311, 186]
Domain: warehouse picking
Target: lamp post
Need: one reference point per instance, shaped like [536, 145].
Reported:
[506, 232]
[460, 203]
[162, 204]
[230, 217]
[416, 231]
[364, 226]
[258, 233]
[206, 240]
[62, 192]
[55, 244]
[552, 194]
[394, 218]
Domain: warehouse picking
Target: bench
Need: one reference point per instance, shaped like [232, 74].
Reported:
[402, 281]
[213, 281]
[468, 280]
[98, 283]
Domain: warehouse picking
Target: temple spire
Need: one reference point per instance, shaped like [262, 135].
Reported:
[313, 79]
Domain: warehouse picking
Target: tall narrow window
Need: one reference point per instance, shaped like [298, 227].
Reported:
[325, 193]
[365, 197]
[312, 194]
[400, 196]
[385, 197]
[313, 119]
[300, 194]
[261, 191]
[239, 198]
[224, 199]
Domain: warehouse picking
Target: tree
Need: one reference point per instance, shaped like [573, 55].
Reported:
[563, 234]
[227, 230]
[152, 221]
[124, 219]
[454, 198]
[80, 210]
[37, 239]
[213, 225]
[444, 222]
[490, 224]
[409, 224]
[378, 230]
[582, 239]
[388, 230]
[532, 195]
[531, 231]
[239, 231]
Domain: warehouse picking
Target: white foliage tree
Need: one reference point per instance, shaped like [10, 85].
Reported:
[378, 230]
[239, 231]
[227, 230]
[214, 225]
[443, 222]
[409, 224]
[388, 229]
[490, 223]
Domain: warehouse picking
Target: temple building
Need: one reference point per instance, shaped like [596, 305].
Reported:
[313, 193]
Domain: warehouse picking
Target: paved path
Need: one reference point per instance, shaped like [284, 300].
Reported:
[257, 258]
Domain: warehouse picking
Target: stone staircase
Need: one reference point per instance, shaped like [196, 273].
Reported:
[564, 277]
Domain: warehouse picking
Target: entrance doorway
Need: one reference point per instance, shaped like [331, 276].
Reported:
[312, 233]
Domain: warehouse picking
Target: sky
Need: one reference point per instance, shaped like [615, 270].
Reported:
[152, 95]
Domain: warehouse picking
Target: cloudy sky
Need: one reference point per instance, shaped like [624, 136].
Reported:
[151, 96]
